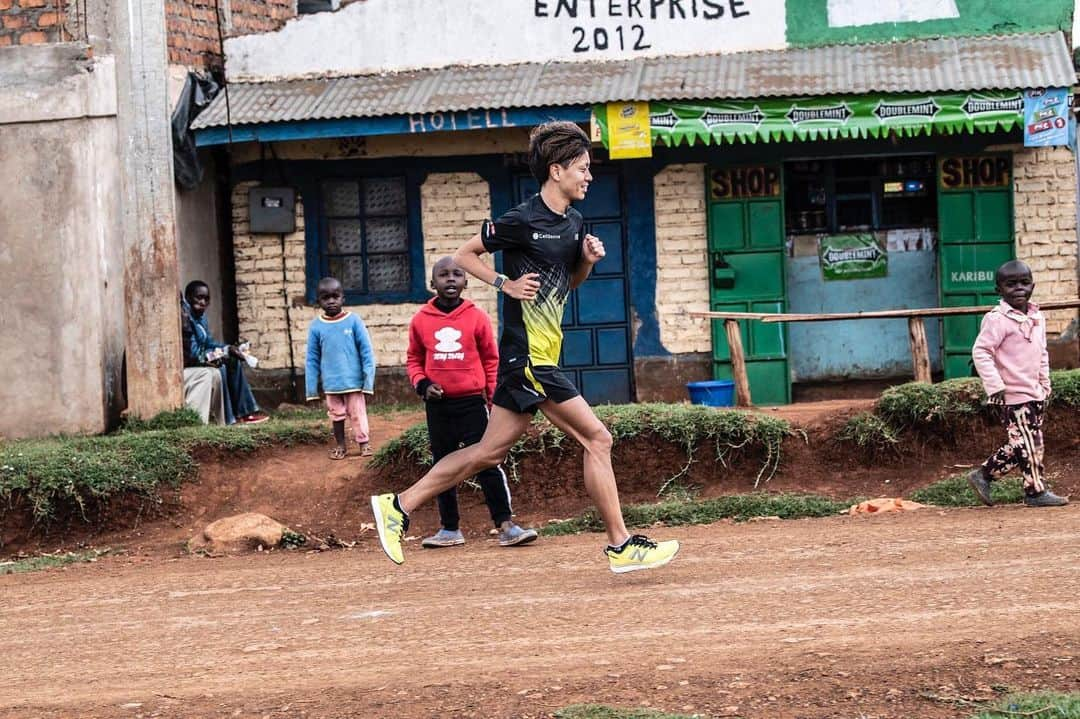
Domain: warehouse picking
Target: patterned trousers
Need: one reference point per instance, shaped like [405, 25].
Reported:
[1024, 448]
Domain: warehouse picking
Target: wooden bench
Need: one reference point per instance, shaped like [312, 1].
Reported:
[916, 319]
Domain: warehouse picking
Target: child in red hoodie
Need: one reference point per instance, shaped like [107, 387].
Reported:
[452, 363]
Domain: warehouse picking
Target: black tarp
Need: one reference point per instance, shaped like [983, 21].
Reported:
[199, 90]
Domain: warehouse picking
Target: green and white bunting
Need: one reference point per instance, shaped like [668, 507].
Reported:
[813, 118]
[852, 257]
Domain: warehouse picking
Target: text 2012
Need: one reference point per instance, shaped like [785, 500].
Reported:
[599, 39]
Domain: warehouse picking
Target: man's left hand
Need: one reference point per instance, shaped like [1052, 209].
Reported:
[593, 249]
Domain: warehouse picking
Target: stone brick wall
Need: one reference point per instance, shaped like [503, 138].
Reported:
[1045, 200]
[682, 273]
[33, 22]
[192, 26]
[452, 206]
[262, 291]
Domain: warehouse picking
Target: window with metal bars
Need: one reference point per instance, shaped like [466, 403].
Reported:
[366, 242]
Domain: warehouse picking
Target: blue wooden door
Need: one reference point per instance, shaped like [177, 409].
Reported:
[596, 352]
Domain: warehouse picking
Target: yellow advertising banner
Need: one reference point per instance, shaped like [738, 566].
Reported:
[629, 135]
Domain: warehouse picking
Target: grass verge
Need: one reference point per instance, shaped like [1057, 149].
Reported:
[48, 561]
[694, 428]
[956, 492]
[740, 507]
[598, 711]
[61, 474]
[1042, 705]
[943, 410]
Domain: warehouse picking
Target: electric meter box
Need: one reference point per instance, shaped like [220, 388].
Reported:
[272, 210]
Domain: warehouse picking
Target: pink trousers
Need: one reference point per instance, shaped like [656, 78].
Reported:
[353, 406]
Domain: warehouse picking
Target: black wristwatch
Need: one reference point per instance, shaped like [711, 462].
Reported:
[499, 281]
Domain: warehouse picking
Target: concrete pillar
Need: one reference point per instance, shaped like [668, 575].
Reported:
[151, 281]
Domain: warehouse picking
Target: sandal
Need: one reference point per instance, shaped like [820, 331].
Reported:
[338, 453]
[365, 450]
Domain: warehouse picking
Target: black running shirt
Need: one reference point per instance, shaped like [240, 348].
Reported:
[534, 238]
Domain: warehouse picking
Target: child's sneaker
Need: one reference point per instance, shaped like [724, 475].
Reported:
[978, 481]
[512, 535]
[443, 538]
[391, 524]
[640, 552]
[1046, 498]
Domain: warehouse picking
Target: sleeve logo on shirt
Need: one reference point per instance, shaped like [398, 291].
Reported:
[447, 346]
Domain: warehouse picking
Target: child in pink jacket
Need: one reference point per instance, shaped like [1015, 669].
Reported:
[1010, 357]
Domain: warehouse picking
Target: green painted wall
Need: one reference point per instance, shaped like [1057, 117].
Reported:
[808, 24]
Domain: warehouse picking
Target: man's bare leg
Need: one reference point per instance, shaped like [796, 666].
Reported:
[576, 419]
[504, 428]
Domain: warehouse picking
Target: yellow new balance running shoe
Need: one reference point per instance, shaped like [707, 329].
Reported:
[640, 552]
[391, 523]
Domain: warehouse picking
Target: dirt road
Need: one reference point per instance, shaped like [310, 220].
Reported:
[842, 617]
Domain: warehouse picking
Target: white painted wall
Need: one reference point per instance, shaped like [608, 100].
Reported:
[852, 13]
[389, 35]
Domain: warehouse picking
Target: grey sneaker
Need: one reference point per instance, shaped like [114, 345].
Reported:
[512, 535]
[1045, 499]
[443, 538]
[978, 481]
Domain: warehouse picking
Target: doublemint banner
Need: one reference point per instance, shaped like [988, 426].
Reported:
[852, 257]
[861, 116]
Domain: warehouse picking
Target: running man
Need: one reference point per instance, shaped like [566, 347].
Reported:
[547, 255]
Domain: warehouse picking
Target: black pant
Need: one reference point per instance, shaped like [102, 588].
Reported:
[456, 423]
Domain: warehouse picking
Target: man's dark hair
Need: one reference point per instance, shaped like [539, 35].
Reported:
[189, 291]
[1012, 267]
[555, 142]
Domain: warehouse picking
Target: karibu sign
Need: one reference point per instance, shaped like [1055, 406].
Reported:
[773, 120]
[852, 257]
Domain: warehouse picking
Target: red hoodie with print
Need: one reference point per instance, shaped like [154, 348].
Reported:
[453, 349]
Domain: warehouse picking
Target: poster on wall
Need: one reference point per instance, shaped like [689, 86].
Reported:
[856, 256]
[629, 135]
[1046, 117]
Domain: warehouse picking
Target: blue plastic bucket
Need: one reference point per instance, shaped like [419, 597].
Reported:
[712, 393]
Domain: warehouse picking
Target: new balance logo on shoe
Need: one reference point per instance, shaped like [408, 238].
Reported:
[639, 553]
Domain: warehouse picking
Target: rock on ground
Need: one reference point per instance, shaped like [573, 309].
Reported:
[239, 533]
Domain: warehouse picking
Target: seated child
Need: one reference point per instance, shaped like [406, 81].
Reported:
[202, 350]
[339, 352]
[1011, 359]
[452, 362]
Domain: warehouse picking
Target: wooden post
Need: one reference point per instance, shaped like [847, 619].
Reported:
[738, 363]
[920, 351]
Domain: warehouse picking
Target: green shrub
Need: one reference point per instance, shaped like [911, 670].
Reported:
[917, 405]
[1066, 388]
[739, 507]
[79, 472]
[871, 433]
[597, 711]
[172, 419]
[689, 426]
[956, 492]
[1042, 705]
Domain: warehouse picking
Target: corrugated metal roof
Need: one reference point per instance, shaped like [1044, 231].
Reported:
[937, 65]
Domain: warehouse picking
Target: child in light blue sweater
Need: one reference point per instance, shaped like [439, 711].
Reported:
[339, 352]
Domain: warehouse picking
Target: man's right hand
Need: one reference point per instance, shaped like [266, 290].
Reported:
[433, 392]
[524, 287]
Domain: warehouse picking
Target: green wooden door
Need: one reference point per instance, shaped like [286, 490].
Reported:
[975, 220]
[746, 260]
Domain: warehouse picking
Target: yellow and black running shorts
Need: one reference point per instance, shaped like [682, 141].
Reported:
[522, 389]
